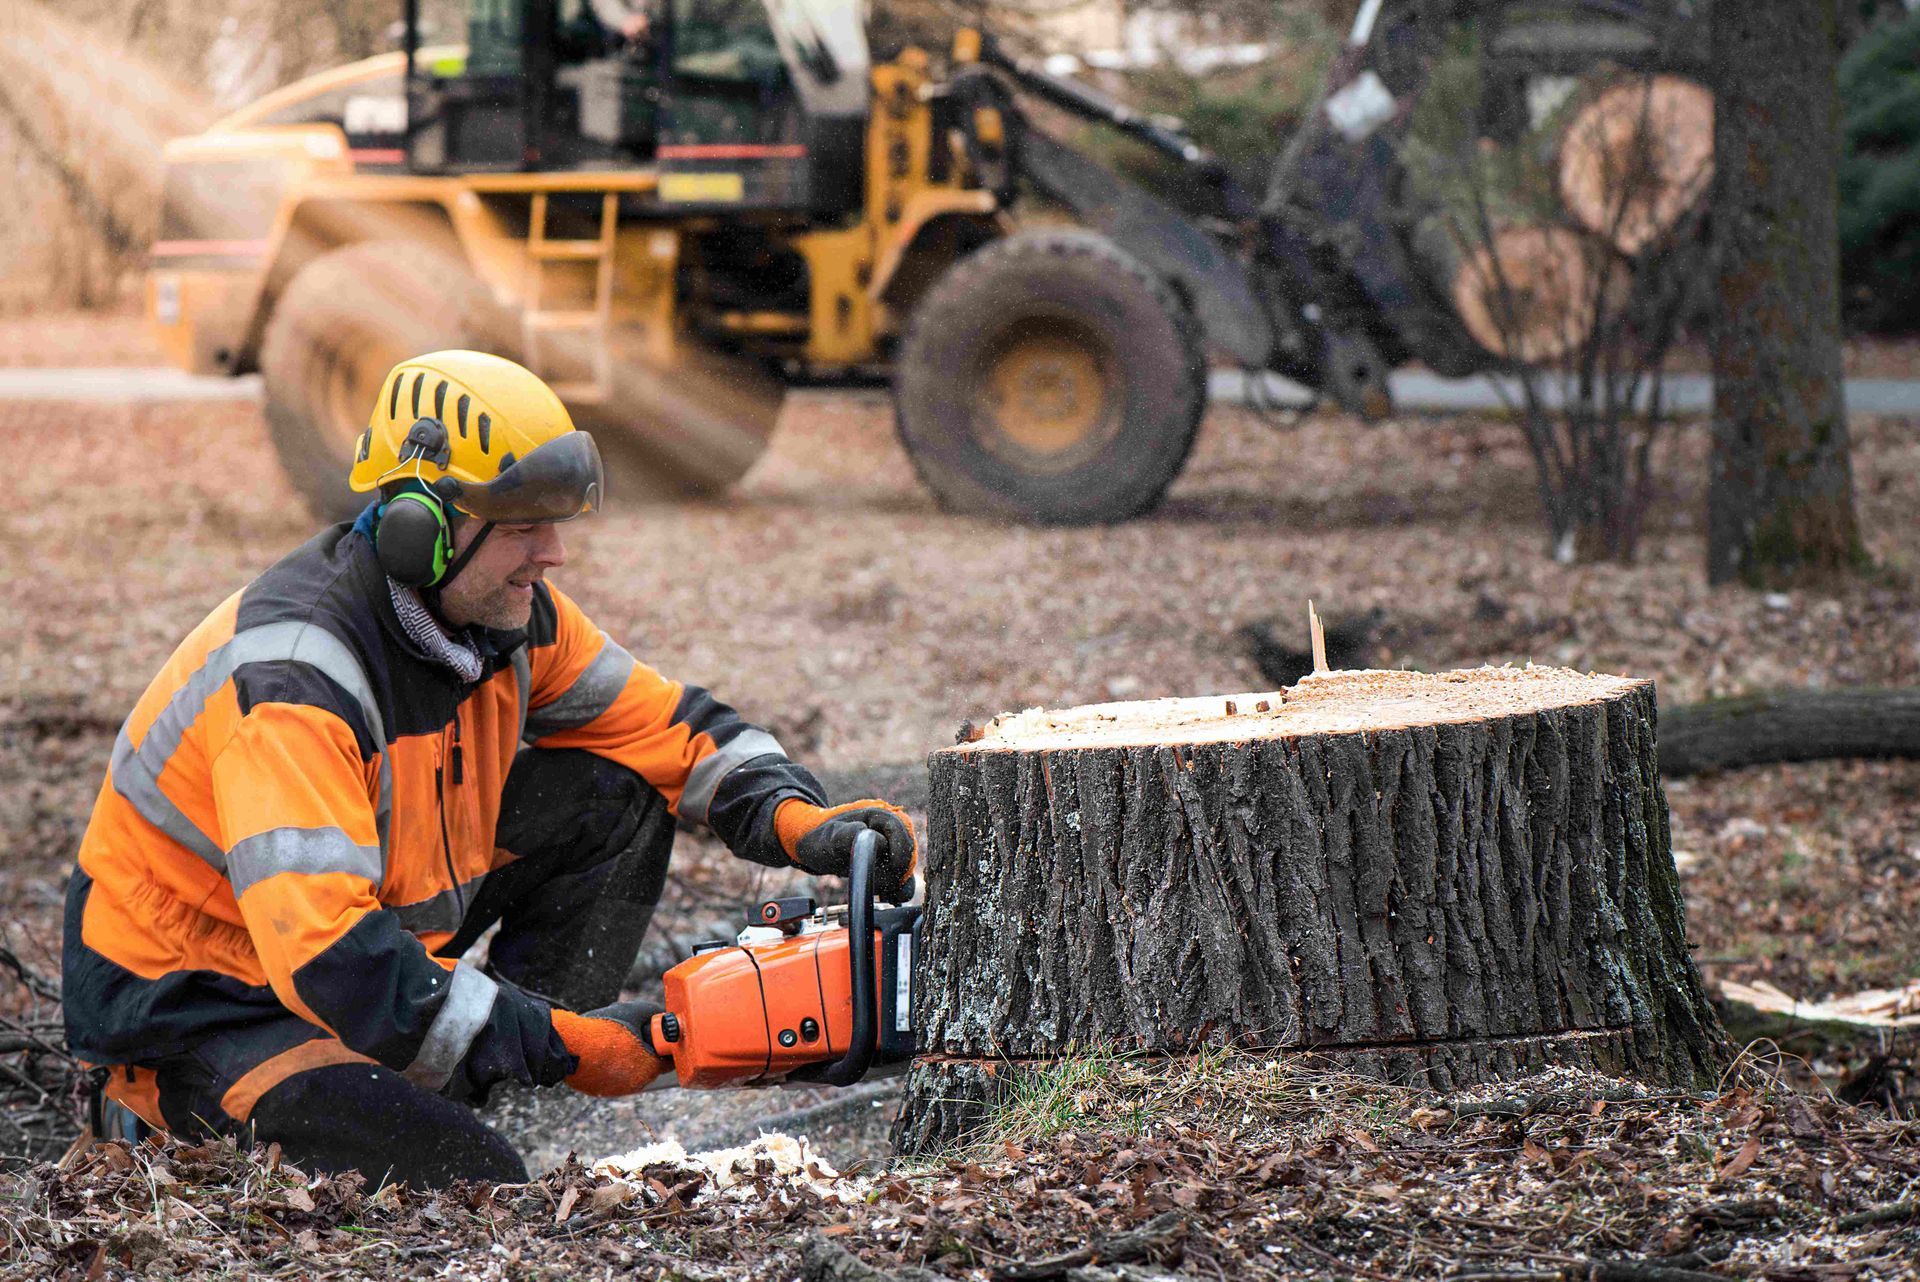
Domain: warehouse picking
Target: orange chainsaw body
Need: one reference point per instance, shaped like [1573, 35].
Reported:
[763, 1010]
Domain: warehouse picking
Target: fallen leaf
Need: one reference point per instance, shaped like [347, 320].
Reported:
[610, 1197]
[1741, 1161]
[567, 1199]
[298, 1198]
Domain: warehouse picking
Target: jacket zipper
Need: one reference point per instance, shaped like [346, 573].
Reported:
[446, 843]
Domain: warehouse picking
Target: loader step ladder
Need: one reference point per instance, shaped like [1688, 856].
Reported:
[538, 322]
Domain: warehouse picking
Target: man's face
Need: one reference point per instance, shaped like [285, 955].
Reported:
[495, 588]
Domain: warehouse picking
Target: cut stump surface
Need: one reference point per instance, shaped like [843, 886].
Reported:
[1433, 878]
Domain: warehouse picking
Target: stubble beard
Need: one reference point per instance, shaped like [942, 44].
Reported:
[499, 608]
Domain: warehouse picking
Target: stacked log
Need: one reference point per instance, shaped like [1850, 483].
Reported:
[1433, 879]
[1636, 157]
[1529, 293]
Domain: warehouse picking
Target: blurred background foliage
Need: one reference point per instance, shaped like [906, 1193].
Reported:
[1880, 176]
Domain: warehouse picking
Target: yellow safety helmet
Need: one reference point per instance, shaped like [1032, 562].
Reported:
[485, 435]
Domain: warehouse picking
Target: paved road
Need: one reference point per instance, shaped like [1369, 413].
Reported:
[128, 384]
[1412, 390]
[1426, 393]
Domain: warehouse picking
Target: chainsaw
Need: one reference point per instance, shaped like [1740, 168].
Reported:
[803, 995]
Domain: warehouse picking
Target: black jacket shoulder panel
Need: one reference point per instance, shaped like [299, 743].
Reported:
[543, 627]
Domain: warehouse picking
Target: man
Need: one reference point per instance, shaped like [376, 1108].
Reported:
[321, 803]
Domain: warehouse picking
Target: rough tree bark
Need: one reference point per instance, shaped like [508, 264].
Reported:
[1780, 488]
[1436, 879]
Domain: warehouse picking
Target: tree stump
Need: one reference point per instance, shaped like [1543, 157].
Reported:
[1432, 879]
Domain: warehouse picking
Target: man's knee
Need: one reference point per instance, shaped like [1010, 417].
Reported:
[573, 809]
[371, 1119]
[592, 841]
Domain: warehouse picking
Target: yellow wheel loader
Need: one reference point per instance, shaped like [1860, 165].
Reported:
[673, 212]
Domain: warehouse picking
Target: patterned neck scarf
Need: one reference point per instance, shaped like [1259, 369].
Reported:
[427, 632]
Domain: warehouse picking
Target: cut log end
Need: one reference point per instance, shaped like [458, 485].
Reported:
[1636, 158]
[1530, 295]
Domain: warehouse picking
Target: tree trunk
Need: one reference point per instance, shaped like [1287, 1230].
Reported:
[1789, 725]
[1780, 488]
[1435, 879]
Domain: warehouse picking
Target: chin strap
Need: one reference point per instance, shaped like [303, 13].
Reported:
[459, 563]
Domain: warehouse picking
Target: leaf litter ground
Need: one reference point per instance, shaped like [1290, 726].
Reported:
[1228, 1166]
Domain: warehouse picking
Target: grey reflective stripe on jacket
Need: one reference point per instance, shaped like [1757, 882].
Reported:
[302, 850]
[704, 780]
[469, 1002]
[442, 911]
[523, 678]
[136, 769]
[591, 694]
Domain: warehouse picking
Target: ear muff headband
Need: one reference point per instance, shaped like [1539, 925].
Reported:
[413, 539]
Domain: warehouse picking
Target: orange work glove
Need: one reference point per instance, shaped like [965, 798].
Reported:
[820, 841]
[615, 1046]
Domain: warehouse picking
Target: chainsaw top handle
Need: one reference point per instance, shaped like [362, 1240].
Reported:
[853, 1066]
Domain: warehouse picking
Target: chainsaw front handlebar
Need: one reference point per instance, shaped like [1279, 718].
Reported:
[853, 1066]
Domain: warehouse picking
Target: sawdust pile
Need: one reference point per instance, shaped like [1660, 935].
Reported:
[732, 1171]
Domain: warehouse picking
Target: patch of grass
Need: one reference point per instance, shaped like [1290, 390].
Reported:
[1088, 1089]
[1125, 1093]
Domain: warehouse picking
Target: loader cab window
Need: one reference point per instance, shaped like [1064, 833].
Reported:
[726, 40]
[494, 41]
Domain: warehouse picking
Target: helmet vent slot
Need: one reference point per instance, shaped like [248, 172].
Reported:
[486, 434]
[393, 398]
[440, 400]
[460, 411]
[418, 380]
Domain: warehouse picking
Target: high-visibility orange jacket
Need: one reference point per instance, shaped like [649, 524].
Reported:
[302, 804]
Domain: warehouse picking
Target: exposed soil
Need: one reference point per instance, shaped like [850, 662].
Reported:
[831, 600]
[62, 340]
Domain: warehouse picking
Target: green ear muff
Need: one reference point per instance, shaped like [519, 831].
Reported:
[413, 539]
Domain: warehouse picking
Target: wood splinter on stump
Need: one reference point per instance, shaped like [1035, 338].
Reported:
[1431, 879]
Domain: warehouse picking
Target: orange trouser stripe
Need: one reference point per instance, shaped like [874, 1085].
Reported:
[269, 1073]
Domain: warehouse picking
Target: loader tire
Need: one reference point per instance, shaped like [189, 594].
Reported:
[348, 318]
[1050, 377]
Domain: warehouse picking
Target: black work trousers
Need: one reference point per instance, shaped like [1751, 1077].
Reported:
[592, 842]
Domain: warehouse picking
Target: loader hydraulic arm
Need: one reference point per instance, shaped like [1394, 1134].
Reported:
[1235, 202]
[1202, 263]
[1257, 291]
